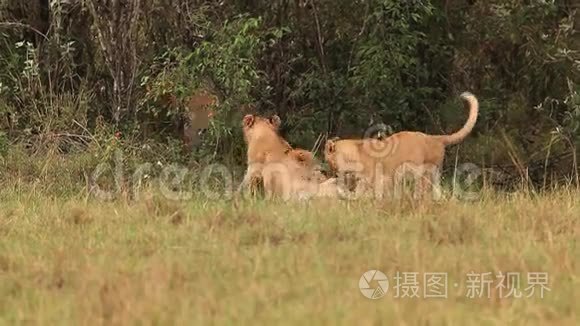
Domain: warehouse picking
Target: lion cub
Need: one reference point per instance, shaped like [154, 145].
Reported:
[381, 163]
[286, 172]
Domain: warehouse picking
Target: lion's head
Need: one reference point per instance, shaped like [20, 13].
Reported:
[330, 154]
[254, 125]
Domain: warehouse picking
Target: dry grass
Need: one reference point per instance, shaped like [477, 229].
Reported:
[66, 261]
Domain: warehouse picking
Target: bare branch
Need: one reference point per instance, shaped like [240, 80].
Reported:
[21, 25]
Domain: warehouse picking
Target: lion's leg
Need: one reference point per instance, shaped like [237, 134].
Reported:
[256, 183]
[277, 180]
[349, 185]
[421, 182]
[388, 185]
[269, 186]
[252, 172]
[430, 183]
[379, 181]
[435, 182]
[423, 187]
[399, 176]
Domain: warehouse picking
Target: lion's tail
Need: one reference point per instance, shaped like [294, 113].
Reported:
[470, 102]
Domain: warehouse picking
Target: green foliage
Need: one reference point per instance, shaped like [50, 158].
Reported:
[384, 73]
[326, 67]
[229, 59]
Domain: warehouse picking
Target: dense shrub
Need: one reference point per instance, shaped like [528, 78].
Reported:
[74, 73]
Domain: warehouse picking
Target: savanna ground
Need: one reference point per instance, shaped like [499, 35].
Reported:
[70, 260]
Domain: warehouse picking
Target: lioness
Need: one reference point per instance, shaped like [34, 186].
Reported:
[379, 163]
[285, 171]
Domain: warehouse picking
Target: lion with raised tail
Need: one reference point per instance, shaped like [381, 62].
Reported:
[381, 163]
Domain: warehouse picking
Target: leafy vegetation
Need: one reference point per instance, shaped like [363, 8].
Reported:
[72, 73]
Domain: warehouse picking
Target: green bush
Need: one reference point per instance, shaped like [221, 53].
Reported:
[327, 68]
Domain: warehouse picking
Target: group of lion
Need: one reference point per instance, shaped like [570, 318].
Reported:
[360, 167]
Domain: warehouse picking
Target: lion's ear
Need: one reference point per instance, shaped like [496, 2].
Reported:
[330, 146]
[299, 157]
[275, 121]
[248, 120]
[303, 155]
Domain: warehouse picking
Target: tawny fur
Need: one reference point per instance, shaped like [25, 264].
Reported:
[381, 163]
[286, 172]
[197, 117]
[301, 155]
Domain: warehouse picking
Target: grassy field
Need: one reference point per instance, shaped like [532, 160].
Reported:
[156, 262]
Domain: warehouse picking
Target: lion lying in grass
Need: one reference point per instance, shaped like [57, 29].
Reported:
[286, 172]
[380, 164]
